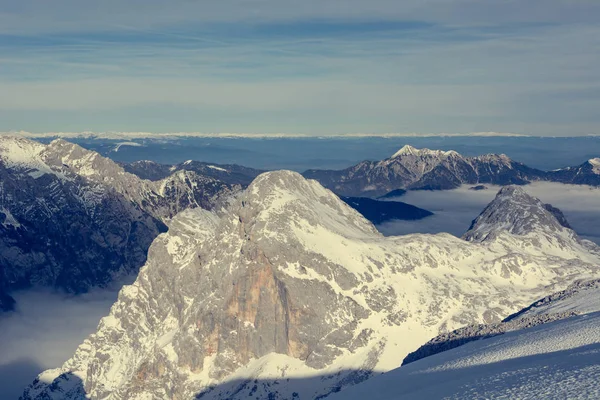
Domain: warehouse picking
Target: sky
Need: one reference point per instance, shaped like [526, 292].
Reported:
[312, 66]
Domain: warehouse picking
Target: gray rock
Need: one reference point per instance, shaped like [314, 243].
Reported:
[71, 219]
[289, 281]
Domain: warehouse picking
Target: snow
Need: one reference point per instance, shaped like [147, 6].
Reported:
[556, 360]
[580, 300]
[410, 150]
[424, 284]
[19, 153]
[217, 168]
[9, 220]
[132, 144]
[595, 162]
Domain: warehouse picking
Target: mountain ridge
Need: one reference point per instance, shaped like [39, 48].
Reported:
[72, 219]
[424, 169]
[296, 283]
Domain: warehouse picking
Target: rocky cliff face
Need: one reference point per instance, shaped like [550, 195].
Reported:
[424, 169]
[71, 219]
[230, 173]
[419, 169]
[587, 173]
[540, 227]
[289, 282]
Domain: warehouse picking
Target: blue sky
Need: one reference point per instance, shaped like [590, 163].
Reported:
[312, 66]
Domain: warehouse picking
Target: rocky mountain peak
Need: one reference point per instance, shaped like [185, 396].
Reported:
[513, 210]
[288, 196]
[21, 153]
[288, 282]
[408, 150]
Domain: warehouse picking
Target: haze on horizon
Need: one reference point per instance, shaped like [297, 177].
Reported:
[314, 67]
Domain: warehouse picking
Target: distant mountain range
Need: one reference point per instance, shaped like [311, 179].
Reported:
[374, 210]
[424, 169]
[71, 219]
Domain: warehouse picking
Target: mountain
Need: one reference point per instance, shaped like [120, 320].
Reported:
[514, 211]
[71, 219]
[587, 173]
[378, 211]
[548, 350]
[231, 174]
[375, 211]
[290, 293]
[393, 193]
[420, 169]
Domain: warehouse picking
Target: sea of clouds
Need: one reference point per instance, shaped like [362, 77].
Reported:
[456, 209]
[47, 326]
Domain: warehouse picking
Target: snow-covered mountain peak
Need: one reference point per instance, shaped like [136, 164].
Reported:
[287, 197]
[595, 163]
[407, 150]
[513, 210]
[289, 282]
[501, 159]
[23, 154]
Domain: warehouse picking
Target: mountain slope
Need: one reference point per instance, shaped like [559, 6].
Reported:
[587, 173]
[378, 211]
[555, 360]
[424, 169]
[71, 219]
[290, 282]
[230, 173]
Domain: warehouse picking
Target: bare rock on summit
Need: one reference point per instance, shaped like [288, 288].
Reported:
[290, 293]
[72, 219]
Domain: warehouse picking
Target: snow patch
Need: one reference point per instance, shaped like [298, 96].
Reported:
[595, 162]
[132, 144]
[217, 168]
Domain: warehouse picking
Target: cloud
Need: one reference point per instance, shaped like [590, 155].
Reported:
[40, 16]
[455, 209]
[302, 67]
[44, 332]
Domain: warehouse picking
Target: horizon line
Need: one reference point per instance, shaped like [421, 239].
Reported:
[151, 135]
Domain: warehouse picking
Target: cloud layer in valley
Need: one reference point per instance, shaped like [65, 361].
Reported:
[44, 331]
[455, 209]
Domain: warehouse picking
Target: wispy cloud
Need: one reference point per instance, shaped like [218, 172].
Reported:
[322, 67]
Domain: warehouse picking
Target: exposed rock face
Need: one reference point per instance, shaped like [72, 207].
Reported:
[587, 173]
[420, 169]
[514, 211]
[424, 169]
[71, 219]
[288, 282]
[163, 198]
[231, 174]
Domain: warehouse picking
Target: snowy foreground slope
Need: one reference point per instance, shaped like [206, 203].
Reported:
[290, 293]
[557, 360]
